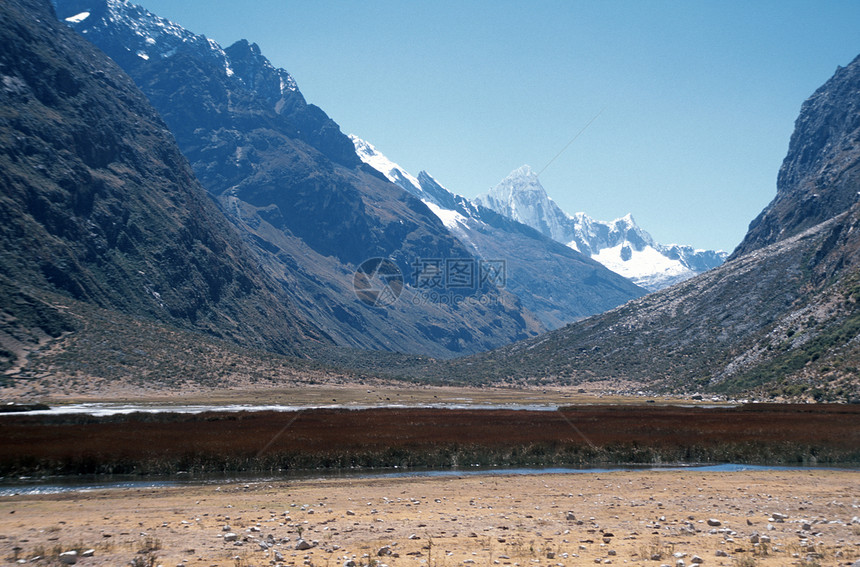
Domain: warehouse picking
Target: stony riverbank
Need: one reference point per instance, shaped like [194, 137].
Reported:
[658, 518]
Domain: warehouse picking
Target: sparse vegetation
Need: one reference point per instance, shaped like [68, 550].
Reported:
[744, 561]
[145, 560]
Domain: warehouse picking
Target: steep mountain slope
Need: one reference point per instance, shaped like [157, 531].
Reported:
[781, 320]
[554, 282]
[99, 205]
[820, 176]
[291, 182]
[619, 245]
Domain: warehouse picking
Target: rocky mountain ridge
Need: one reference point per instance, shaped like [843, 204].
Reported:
[820, 176]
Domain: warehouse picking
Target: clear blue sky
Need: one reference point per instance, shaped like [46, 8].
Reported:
[698, 98]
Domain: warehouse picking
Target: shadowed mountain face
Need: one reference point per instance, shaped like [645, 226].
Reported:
[290, 181]
[98, 204]
[781, 317]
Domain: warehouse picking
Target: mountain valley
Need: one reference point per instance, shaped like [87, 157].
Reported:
[195, 198]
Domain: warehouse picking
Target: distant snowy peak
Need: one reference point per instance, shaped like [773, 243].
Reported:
[620, 245]
[521, 197]
[146, 37]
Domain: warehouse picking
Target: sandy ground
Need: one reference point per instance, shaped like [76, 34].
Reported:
[651, 518]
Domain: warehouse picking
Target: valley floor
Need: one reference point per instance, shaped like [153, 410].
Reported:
[316, 391]
[647, 518]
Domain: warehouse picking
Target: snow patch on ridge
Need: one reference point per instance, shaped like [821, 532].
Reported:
[375, 159]
[78, 18]
[451, 219]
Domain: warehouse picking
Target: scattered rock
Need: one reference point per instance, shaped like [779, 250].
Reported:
[754, 537]
[231, 537]
[88, 553]
[349, 563]
[779, 517]
[301, 545]
[721, 553]
[697, 559]
[383, 551]
[413, 536]
[69, 557]
[350, 513]
[550, 554]
[713, 522]
[571, 517]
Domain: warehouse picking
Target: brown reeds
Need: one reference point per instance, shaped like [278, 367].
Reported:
[379, 438]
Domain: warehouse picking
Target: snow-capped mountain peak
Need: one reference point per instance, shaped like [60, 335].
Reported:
[521, 196]
[621, 245]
